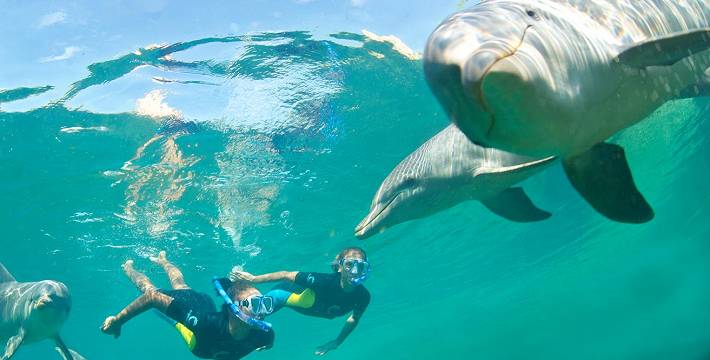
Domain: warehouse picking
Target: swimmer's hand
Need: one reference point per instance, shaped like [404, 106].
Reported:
[111, 327]
[238, 274]
[330, 345]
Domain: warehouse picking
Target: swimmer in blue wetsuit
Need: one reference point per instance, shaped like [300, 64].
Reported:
[208, 333]
[326, 295]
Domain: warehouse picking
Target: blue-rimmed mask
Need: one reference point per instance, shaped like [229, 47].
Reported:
[259, 324]
[357, 269]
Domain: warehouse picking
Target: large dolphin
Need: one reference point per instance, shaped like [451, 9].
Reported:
[559, 77]
[449, 169]
[31, 312]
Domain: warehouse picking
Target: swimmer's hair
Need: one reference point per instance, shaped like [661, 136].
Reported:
[237, 287]
[342, 253]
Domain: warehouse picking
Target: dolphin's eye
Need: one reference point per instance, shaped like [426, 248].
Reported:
[533, 14]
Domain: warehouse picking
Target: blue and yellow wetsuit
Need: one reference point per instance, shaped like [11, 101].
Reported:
[318, 294]
[206, 330]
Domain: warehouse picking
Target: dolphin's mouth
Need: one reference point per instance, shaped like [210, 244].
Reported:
[366, 226]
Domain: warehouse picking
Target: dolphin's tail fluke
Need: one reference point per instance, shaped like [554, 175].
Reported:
[71, 354]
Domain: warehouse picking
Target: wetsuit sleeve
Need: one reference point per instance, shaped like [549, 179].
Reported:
[311, 279]
[361, 305]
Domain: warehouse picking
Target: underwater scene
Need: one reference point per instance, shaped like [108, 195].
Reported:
[259, 148]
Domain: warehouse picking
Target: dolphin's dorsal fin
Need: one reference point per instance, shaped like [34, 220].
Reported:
[666, 50]
[5, 275]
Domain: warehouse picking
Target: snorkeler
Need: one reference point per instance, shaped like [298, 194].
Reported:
[320, 294]
[231, 333]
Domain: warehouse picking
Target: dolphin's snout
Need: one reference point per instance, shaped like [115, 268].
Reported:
[374, 222]
[366, 228]
[53, 301]
[52, 295]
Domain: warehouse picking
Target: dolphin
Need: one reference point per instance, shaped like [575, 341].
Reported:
[31, 312]
[449, 169]
[559, 77]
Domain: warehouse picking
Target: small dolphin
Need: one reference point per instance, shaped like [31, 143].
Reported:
[31, 312]
[449, 169]
[559, 77]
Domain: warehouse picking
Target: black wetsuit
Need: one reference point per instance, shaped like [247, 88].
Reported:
[197, 312]
[319, 294]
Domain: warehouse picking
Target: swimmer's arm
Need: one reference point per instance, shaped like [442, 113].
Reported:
[275, 276]
[350, 325]
[270, 277]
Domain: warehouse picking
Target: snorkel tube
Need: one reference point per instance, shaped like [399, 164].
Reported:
[259, 324]
[359, 280]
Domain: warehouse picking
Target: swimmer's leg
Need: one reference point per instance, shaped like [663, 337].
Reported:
[280, 298]
[150, 298]
[285, 296]
[139, 152]
[177, 280]
[138, 279]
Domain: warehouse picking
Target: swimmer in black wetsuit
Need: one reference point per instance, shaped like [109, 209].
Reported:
[326, 295]
[208, 333]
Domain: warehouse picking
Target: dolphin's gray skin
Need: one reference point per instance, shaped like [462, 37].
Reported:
[701, 89]
[74, 354]
[31, 312]
[559, 77]
[449, 169]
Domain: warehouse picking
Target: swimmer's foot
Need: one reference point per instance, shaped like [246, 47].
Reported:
[161, 259]
[128, 166]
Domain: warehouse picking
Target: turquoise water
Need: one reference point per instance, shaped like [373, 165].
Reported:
[292, 137]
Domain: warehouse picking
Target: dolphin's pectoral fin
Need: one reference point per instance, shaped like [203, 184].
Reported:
[63, 350]
[514, 205]
[514, 173]
[602, 176]
[5, 275]
[667, 50]
[13, 343]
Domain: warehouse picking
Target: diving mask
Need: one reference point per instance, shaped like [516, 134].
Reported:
[256, 323]
[258, 305]
[357, 269]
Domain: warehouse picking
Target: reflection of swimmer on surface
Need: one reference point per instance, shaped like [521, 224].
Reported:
[326, 295]
[173, 123]
[208, 333]
[165, 176]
